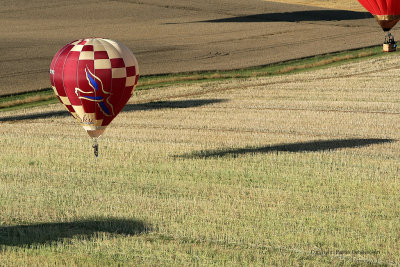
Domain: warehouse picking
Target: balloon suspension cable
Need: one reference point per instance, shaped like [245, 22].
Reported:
[390, 44]
[389, 38]
[95, 147]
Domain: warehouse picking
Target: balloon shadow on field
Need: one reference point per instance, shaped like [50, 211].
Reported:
[172, 104]
[298, 16]
[46, 233]
[34, 116]
[312, 146]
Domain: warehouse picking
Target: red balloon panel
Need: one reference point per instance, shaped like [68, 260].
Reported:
[382, 7]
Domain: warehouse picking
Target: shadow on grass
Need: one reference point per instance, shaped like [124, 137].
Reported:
[172, 104]
[43, 233]
[312, 146]
[129, 107]
[34, 116]
[297, 16]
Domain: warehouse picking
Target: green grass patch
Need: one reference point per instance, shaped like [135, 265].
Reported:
[46, 96]
[26, 100]
[287, 67]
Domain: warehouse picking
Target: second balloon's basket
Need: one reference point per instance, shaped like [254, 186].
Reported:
[389, 47]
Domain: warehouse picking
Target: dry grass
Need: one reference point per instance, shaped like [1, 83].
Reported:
[352, 5]
[287, 170]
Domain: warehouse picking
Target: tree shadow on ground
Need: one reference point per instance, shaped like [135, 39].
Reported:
[312, 146]
[298, 16]
[45, 233]
[172, 104]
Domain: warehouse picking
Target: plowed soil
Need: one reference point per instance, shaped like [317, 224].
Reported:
[175, 35]
[352, 5]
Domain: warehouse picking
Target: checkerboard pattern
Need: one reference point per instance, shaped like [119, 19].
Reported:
[65, 101]
[115, 69]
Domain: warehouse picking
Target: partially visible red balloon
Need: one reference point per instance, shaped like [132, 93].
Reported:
[386, 12]
[94, 78]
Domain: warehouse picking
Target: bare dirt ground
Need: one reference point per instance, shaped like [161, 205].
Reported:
[352, 5]
[175, 35]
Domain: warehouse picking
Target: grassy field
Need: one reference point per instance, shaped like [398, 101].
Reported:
[298, 169]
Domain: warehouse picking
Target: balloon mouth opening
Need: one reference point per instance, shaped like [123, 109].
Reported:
[387, 22]
[95, 133]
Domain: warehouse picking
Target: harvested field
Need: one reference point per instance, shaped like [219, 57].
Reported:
[288, 170]
[174, 36]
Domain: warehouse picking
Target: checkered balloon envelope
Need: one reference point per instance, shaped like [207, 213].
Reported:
[94, 78]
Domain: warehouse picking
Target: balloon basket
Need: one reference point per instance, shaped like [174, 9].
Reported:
[389, 47]
[390, 44]
[95, 147]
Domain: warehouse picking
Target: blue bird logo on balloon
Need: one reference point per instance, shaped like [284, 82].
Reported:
[97, 85]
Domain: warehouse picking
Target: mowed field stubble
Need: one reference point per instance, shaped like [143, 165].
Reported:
[284, 170]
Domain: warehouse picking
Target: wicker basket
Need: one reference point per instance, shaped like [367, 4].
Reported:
[389, 47]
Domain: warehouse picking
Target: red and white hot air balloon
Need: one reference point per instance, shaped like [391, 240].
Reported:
[94, 79]
[387, 13]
